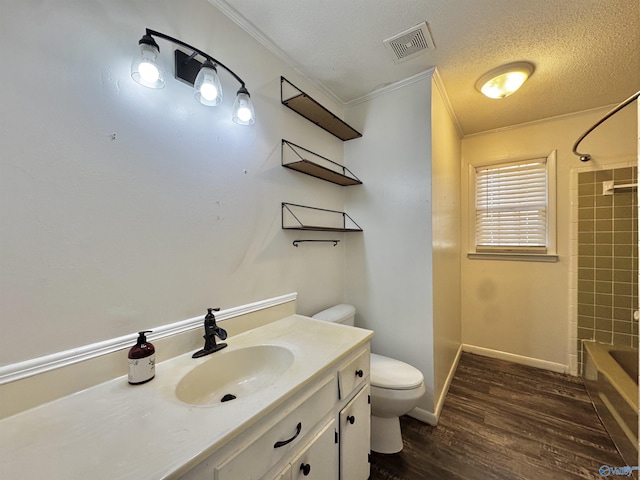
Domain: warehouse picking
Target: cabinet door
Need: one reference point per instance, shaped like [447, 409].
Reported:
[319, 458]
[355, 440]
[284, 474]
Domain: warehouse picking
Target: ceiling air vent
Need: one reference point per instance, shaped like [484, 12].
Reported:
[410, 43]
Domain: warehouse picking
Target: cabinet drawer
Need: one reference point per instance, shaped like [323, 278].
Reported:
[280, 440]
[353, 374]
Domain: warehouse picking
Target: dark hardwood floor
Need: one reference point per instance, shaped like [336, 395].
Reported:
[502, 420]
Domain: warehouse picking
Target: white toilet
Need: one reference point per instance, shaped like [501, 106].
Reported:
[396, 388]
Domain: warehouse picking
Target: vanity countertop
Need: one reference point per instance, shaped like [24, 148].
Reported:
[120, 431]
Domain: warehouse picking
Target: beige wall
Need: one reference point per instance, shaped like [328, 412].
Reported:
[523, 308]
[445, 196]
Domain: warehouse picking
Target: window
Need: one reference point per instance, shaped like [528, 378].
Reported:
[513, 209]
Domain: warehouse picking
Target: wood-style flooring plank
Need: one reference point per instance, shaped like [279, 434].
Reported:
[501, 421]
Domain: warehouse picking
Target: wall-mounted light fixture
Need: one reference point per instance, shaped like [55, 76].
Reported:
[147, 70]
[503, 81]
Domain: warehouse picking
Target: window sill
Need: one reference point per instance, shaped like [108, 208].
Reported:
[522, 257]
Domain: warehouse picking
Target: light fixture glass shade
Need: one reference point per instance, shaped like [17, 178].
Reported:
[243, 113]
[146, 67]
[208, 90]
[505, 80]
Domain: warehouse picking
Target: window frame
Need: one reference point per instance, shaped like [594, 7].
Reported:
[511, 252]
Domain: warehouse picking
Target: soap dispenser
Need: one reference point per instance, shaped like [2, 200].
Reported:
[142, 360]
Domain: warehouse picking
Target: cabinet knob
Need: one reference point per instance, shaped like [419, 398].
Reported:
[306, 468]
[351, 419]
[359, 373]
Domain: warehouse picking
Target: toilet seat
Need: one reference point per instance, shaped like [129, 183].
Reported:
[393, 374]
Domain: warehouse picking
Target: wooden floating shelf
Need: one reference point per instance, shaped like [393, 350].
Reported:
[333, 172]
[302, 217]
[306, 106]
[311, 228]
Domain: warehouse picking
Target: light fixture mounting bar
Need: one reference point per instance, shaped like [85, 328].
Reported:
[187, 67]
[154, 33]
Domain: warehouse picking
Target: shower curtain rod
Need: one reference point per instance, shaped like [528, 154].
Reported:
[585, 157]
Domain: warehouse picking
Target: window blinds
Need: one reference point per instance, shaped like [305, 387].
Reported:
[511, 206]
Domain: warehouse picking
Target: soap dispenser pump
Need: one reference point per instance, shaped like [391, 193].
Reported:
[142, 360]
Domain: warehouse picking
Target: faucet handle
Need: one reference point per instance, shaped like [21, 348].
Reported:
[211, 327]
[210, 318]
[222, 333]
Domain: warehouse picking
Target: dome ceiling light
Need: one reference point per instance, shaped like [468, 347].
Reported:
[504, 80]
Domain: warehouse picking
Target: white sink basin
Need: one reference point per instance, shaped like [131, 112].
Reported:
[234, 374]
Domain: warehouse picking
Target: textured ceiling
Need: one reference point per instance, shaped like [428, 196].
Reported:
[586, 52]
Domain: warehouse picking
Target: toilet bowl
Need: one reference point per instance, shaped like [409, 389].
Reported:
[396, 388]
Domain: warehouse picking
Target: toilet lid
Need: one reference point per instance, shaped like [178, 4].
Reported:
[390, 373]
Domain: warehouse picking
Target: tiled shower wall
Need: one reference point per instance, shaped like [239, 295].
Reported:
[607, 259]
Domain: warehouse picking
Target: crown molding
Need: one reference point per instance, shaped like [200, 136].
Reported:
[391, 87]
[539, 121]
[437, 80]
[263, 40]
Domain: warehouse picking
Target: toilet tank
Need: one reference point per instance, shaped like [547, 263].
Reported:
[342, 313]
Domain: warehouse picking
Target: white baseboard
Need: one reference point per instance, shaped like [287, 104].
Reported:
[424, 416]
[512, 357]
[447, 383]
[432, 417]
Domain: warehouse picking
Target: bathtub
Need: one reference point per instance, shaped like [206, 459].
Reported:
[610, 374]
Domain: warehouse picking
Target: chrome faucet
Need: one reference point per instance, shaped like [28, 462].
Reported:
[211, 331]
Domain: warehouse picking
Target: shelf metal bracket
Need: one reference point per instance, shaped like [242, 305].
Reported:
[296, 242]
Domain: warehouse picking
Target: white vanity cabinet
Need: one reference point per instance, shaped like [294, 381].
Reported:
[283, 439]
[353, 373]
[355, 424]
[285, 474]
[355, 416]
[321, 433]
[294, 380]
[318, 460]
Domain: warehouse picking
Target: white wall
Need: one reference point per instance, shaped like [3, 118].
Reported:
[388, 269]
[124, 208]
[391, 269]
[522, 308]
